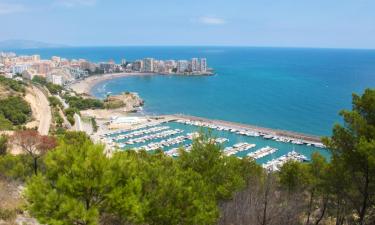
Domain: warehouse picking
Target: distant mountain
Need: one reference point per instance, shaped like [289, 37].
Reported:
[25, 44]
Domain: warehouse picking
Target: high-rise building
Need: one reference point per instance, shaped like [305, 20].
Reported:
[148, 65]
[194, 65]
[203, 65]
[182, 66]
[35, 58]
[137, 65]
[123, 61]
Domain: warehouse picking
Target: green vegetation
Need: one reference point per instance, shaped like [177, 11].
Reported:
[3, 144]
[69, 112]
[93, 124]
[129, 187]
[52, 88]
[12, 84]
[83, 103]
[54, 101]
[14, 109]
[56, 105]
[16, 167]
[5, 124]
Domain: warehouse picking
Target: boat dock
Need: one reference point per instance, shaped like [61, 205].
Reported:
[266, 132]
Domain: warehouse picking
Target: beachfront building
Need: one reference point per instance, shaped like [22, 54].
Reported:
[137, 65]
[203, 65]
[182, 66]
[87, 66]
[148, 65]
[195, 65]
[107, 67]
[77, 72]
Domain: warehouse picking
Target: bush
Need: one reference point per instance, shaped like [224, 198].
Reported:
[17, 167]
[83, 103]
[13, 84]
[40, 80]
[69, 112]
[7, 214]
[54, 101]
[3, 144]
[53, 88]
[5, 124]
[15, 109]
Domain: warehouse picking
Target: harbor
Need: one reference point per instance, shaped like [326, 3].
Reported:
[269, 147]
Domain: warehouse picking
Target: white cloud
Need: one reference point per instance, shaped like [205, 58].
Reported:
[10, 8]
[74, 3]
[212, 20]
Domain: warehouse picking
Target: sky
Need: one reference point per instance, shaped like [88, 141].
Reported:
[281, 23]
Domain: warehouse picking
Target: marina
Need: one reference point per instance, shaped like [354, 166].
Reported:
[275, 164]
[260, 153]
[172, 132]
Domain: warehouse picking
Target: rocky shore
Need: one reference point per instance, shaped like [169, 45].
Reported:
[127, 101]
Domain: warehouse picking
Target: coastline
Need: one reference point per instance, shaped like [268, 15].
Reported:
[84, 86]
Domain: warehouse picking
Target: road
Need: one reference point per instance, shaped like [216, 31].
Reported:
[41, 110]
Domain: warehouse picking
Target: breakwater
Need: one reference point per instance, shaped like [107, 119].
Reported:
[267, 131]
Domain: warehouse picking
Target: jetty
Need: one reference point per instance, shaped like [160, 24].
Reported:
[295, 137]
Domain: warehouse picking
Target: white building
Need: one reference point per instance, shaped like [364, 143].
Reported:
[195, 65]
[19, 68]
[203, 65]
[138, 65]
[55, 79]
[148, 65]
[182, 66]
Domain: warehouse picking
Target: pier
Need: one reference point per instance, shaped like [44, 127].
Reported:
[267, 131]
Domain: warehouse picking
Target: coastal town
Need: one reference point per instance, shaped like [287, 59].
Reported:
[62, 71]
[110, 121]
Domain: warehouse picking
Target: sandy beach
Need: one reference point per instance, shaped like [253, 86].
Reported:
[84, 86]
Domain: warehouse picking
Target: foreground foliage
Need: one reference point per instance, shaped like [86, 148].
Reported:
[15, 109]
[81, 185]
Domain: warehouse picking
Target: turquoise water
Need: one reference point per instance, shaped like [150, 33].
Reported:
[287, 88]
[283, 148]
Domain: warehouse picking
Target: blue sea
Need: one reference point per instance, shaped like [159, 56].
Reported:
[293, 89]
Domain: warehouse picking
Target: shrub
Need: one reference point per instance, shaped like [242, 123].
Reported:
[15, 109]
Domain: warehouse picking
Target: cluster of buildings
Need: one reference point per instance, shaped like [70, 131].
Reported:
[149, 65]
[56, 70]
[62, 71]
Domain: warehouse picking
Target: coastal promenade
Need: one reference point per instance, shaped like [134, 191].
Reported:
[268, 131]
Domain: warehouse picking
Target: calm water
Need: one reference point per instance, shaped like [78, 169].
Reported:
[292, 89]
[233, 138]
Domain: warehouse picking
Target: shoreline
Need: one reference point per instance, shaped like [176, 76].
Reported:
[84, 86]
